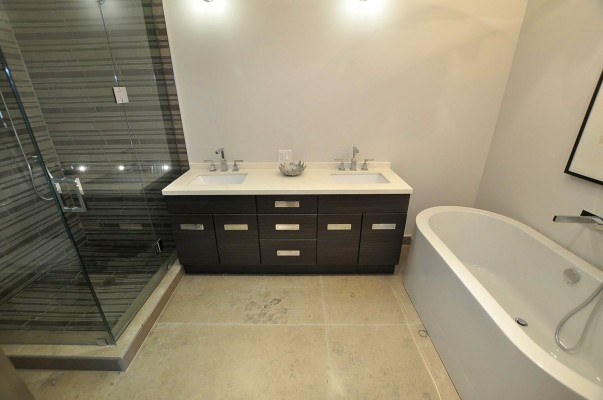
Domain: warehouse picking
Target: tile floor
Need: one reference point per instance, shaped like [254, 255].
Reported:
[273, 337]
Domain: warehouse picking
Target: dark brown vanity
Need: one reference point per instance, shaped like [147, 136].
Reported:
[331, 233]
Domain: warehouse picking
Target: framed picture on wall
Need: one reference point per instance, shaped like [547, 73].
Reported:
[586, 160]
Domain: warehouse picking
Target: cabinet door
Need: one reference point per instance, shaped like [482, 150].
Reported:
[338, 239]
[237, 238]
[195, 239]
[381, 239]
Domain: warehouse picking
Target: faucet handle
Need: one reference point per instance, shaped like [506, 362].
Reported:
[365, 165]
[212, 167]
[342, 165]
[235, 167]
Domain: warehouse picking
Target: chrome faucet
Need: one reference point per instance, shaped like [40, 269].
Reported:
[223, 162]
[235, 166]
[353, 160]
[212, 166]
[584, 218]
[365, 165]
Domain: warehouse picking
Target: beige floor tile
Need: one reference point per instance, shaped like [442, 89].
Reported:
[246, 300]
[376, 362]
[395, 281]
[181, 361]
[433, 362]
[191, 284]
[70, 385]
[226, 337]
[360, 300]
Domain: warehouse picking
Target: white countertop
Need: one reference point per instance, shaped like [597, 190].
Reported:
[266, 179]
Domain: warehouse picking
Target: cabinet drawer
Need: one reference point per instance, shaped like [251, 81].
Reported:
[210, 204]
[195, 239]
[338, 239]
[288, 252]
[237, 239]
[287, 226]
[363, 203]
[287, 204]
[381, 239]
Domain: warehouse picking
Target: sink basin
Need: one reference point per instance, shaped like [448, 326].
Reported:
[223, 179]
[359, 178]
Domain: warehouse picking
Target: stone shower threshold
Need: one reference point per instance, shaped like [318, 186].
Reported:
[100, 358]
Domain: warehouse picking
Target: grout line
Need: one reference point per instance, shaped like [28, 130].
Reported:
[251, 324]
[399, 301]
[322, 301]
[324, 319]
[419, 350]
[424, 359]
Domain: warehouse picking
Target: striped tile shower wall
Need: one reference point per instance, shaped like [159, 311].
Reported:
[32, 238]
[130, 151]
[72, 62]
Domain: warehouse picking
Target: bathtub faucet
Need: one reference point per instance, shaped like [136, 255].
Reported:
[584, 218]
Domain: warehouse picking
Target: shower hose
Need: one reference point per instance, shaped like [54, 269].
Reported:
[588, 322]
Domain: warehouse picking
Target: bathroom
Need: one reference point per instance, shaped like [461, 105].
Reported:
[474, 104]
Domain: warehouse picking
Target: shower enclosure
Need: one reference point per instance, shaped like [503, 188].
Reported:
[89, 135]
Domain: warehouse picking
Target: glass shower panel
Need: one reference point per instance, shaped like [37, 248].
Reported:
[45, 294]
[138, 41]
[69, 56]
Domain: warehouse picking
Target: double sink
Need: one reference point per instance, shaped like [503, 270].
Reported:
[337, 178]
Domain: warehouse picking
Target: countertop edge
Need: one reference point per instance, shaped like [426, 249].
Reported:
[269, 181]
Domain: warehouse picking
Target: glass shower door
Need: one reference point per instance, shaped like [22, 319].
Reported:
[45, 292]
[71, 64]
[92, 133]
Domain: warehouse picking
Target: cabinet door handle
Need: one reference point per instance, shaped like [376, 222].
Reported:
[339, 227]
[286, 204]
[377, 227]
[288, 253]
[286, 227]
[236, 227]
[192, 227]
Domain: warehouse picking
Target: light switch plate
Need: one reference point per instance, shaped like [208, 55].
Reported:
[121, 95]
[285, 156]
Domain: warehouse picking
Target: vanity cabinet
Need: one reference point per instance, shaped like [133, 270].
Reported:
[338, 239]
[195, 239]
[289, 233]
[237, 239]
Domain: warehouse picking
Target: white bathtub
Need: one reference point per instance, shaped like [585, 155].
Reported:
[470, 274]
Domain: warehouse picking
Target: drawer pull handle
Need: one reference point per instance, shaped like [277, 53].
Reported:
[236, 227]
[378, 227]
[286, 204]
[286, 227]
[192, 227]
[288, 253]
[339, 227]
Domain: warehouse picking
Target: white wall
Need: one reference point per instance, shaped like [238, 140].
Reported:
[415, 82]
[557, 64]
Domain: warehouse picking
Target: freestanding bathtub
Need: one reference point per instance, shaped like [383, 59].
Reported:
[471, 274]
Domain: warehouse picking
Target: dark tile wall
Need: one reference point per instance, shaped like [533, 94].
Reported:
[123, 154]
[32, 234]
[73, 53]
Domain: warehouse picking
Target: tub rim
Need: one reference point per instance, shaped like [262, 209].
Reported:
[555, 368]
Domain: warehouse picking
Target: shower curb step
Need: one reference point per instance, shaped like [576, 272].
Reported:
[100, 358]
